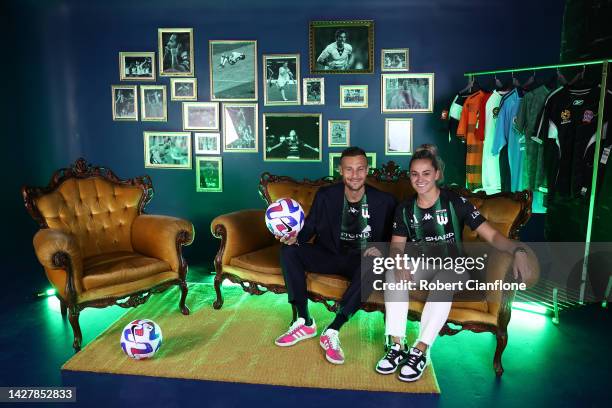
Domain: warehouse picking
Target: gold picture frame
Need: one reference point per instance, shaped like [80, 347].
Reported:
[124, 102]
[175, 54]
[137, 66]
[152, 108]
[242, 128]
[394, 59]
[233, 70]
[179, 95]
[272, 66]
[167, 150]
[348, 101]
[346, 125]
[403, 93]
[394, 145]
[208, 116]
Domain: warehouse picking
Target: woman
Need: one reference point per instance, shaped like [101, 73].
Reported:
[433, 215]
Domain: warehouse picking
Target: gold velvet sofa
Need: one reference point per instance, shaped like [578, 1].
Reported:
[249, 254]
[97, 246]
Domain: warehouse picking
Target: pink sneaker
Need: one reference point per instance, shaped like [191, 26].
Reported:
[331, 344]
[297, 332]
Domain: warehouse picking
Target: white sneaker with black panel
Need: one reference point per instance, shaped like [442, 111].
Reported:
[394, 358]
[415, 365]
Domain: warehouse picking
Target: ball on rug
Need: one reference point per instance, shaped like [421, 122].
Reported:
[141, 339]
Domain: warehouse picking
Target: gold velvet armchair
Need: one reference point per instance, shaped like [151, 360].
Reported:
[97, 246]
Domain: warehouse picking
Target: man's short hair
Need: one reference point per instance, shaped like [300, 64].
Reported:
[352, 152]
[339, 32]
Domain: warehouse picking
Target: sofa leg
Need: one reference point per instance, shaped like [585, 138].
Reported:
[73, 317]
[218, 281]
[63, 307]
[184, 309]
[502, 341]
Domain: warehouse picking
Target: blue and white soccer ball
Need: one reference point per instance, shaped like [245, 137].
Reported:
[141, 339]
[285, 217]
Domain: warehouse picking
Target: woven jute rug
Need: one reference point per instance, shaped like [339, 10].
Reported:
[236, 344]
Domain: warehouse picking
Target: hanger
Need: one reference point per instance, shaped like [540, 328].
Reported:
[529, 81]
[515, 81]
[561, 78]
[471, 87]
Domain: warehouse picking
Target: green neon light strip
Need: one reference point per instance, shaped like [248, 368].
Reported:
[573, 64]
[530, 307]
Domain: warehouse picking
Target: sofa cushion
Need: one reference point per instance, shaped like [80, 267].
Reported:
[119, 267]
[266, 260]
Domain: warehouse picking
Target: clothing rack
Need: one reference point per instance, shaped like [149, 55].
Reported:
[602, 94]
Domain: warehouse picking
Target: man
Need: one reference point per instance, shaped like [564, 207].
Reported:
[285, 76]
[337, 55]
[343, 218]
[291, 147]
[176, 58]
[233, 58]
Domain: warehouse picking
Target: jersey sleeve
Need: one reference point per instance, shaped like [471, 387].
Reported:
[399, 221]
[324, 54]
[468, 213]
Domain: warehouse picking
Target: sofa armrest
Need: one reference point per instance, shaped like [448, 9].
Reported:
[161, 237]
[240, 232]
[60, 255]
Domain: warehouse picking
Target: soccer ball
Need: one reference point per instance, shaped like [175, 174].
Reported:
[141, 339]
[285, 217]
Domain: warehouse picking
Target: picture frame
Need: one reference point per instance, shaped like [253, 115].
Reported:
[209, 174]
[338, 133]
[313, 91]
[183, 89]
[353, 96]
[124, 102]
[175, 52]
[328, 41]
[394, 59]
[334, 163]
[167, 150]
[281, 79]
[292, 137]
[240, 127]
[201, 116]
[207, 143]
[136, 66]
[233, 70]
[407, 93]
[398, 136]
[153, 103]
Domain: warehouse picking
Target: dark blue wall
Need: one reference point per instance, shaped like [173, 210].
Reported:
[63, 107]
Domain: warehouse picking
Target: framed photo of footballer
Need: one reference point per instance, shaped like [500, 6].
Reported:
[207, 143]
[338, 133]
[407, 93]
[395, 59]
[233, 70]
[334, 163]
[183, 89]
[167, 150]
[200, 115]
[137, 66]
[341, 47]
[209, 174]
[153, 103]
[353, 96]
[292, 137]
[281, 79]
[175, 51]
[240, 127]
[124, 102]
[398, 136]
[314, 91]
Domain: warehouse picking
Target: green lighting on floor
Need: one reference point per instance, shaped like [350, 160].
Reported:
[50, 292]
[530, 307]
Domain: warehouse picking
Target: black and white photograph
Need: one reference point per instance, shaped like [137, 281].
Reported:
[314, 91]
[200, 115]
[124, 102]
[292, 136]
[406, 93]
[175, 50]
[338, 133]
[183, 89]
[395, 59]
[334, 163]
[353, 96]
[209, 174]
[167, 150]
[207, 143]
[240, 127]
[342, 47]
[233, 70]
[281, 79]
[398, 136]
[153, 103]
[137, 66]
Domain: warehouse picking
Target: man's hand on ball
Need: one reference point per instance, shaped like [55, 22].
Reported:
[288, 239]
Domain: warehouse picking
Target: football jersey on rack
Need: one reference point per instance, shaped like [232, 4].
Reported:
[506, 134]
[491, 178]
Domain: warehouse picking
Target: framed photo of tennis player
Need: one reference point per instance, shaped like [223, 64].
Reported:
[395, 59]
[292, 137]
[209, 174]
[124, 102]
[314, 91]
[398, 136]
[338, 133]
[334, 163]
[183, 89]
[137, 66]
[233, 70]
[167, 150]
[281, 79]
[175, 51]
[240, 127]
[341, 47]
[407, 93]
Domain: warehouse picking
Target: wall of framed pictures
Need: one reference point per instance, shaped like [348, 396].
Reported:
[93, 46]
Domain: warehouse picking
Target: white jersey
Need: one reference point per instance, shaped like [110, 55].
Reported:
[491, 179]
[284, 76]
[334, 58]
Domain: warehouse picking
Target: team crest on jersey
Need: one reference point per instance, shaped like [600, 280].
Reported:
[566, 116]
[588, 116]
[427, 217]
[365, 213]
[495, 112]
[578, 102]
[441, 217]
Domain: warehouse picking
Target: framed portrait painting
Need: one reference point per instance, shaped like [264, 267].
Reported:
[137, 66]
[209, 174]
[292, 137]
[233, 70]
[175, 51]
[281, 79]
[167, 150]
[342, 47]
[124, 102]
[407, 93]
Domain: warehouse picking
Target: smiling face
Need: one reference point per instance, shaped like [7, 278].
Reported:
[423, 176]
[354, 170]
